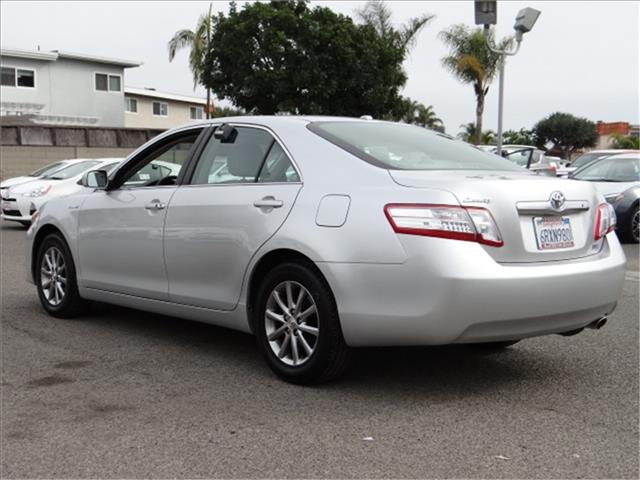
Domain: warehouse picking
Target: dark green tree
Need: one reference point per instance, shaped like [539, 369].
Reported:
[565, 132]
[227, 112]
[286, 57]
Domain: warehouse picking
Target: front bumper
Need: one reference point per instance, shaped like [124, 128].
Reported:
[19, 209]
[454, 292]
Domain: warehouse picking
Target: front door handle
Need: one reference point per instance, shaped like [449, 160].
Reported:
[155, 205]
[268, 202]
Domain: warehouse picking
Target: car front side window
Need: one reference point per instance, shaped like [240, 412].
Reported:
[163, 165]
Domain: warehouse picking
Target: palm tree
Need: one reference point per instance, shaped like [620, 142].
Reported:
[471, 61]
[469, 134]
[377, 14]
[198, 41]
[417, 113]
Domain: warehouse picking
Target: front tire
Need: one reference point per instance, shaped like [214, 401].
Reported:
[297, 326]
[55, 277]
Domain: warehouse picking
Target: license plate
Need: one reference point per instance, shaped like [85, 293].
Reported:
[553, 232]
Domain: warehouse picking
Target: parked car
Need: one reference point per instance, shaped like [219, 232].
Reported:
[329, 233]
[527, 156]
[22, 201]
[12, 182]
[588, 157]
[617, 178]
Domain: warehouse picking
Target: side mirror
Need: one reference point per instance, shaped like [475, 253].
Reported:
[95, 179]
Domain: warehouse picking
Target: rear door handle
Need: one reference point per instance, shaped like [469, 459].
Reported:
[155, 205]
[268, 202]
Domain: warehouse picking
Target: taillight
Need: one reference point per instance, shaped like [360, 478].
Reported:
[605, 220]
[472, 224]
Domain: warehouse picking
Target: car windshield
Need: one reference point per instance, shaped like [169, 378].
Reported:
[72, 170]
[396, 146]
[611, 170]
[585, 158]
[52, 167]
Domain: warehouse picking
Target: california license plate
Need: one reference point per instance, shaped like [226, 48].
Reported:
[553, 232]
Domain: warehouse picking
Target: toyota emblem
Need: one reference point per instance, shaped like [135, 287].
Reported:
[557, 200]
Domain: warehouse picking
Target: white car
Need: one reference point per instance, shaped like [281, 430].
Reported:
[527, 156]
[21, 201]
[50, 168]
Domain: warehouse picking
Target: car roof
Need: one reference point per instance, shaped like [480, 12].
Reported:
[629, 154]
[276, 120]
[611, 150]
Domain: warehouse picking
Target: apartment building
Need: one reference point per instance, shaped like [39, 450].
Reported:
[148, 108]
[63, 88]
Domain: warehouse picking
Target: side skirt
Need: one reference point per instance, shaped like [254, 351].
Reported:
[235, 319]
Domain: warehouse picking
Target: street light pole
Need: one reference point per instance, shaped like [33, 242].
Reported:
[503, 59]
[486, 13]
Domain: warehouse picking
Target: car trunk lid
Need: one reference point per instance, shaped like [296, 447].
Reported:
[540, 218]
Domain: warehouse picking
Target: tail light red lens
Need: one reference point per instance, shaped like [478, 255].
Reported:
[605, 220]
[471, 224]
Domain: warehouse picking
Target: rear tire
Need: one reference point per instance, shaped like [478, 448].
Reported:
[55, 277]
[297, 326]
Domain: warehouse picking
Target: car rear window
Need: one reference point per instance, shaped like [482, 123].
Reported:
[397, 146]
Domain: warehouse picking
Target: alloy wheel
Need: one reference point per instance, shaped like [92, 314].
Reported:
[291, 323]
[53, 276]
[635, 226]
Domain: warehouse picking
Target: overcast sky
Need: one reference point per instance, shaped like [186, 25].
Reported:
[581, 57]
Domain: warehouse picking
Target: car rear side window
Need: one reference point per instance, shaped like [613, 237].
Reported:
[397, 146]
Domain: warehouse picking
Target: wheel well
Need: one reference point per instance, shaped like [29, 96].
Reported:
[265, 265]
[43, 232]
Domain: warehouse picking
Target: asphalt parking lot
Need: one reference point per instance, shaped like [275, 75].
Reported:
[124, 393]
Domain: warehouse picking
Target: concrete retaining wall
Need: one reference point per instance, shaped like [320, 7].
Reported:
[25, 148]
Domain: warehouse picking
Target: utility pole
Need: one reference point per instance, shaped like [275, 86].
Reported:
[487, 15]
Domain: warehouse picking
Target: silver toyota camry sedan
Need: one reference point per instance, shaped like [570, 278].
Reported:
[321, 234]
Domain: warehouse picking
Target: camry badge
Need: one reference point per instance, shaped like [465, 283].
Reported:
[557, 200]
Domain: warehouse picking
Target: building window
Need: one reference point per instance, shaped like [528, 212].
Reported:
[197, 113]
[114, 83]
[160, 109]
[18, 77]
[130, 105]
[108, 83]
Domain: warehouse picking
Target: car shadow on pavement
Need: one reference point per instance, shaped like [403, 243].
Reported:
[443, 371]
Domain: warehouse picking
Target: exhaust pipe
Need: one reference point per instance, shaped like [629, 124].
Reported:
[598, 324]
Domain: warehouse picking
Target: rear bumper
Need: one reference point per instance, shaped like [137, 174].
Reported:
[454, 292]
